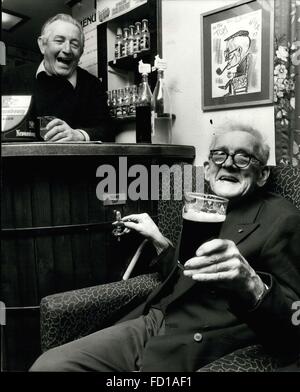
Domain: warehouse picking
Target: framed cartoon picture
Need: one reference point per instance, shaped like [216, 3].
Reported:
[237, 55]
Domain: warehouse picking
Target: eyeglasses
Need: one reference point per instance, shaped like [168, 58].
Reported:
[240, 159]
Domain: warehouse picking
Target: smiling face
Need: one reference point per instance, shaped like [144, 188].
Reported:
[229, 181]
[62, 47]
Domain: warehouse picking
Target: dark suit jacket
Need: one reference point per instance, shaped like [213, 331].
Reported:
[266, 229]
[84, 107]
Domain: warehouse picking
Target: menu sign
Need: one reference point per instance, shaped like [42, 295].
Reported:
[88, 60]
[110, 9]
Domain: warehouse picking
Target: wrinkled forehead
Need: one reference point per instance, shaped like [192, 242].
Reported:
[62, 28]
[235, 140]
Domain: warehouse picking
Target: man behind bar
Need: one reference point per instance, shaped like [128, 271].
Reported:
[62, 89]
[237, 290]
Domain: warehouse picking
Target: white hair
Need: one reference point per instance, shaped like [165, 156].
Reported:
[65, 18]
[261, 147]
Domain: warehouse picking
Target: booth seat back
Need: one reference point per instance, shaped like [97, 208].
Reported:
[285, 180]
[188, 178]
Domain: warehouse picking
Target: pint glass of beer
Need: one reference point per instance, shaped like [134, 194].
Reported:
[203, 215]
[43, 121]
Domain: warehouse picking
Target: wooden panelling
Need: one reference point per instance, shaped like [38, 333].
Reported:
[42, 216]
[25, 247]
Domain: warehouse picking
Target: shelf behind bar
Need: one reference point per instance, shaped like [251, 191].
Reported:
[46, 149]
[130, 63]
[132, 118]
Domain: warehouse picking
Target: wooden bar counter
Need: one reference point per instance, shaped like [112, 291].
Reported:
[56, 233]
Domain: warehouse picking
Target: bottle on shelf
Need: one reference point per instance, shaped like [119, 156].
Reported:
[161, 107]
[125, 42]
[114, 104]
[118, 43]
[137, 37]
[145, 36]
[131, 41]
[143, 106]
[133, 100]
[120, 99]
[126, 102]
[109, 103]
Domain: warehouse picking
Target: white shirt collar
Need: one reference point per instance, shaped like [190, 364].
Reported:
[72, 79]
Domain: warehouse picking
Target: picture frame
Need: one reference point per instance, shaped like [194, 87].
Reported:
[237, 55]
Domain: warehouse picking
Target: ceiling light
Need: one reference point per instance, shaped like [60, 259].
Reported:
[12, 20]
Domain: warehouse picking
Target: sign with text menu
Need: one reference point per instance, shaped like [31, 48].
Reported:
[88, 60]
[87, 16]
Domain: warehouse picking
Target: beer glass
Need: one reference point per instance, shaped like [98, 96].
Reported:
[203, 215]
[43, 121]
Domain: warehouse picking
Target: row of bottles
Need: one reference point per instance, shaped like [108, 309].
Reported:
[122, 102]
[153, 112]
[133, 39]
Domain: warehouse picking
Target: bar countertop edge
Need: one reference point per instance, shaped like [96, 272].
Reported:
[35, 149]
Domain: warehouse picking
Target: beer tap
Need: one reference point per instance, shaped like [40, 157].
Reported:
[119, 225]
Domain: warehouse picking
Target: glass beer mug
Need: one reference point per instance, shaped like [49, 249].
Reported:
[43, 121]
[203, 215]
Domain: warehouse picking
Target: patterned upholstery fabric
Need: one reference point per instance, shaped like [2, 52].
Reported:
[73, 314]
[247, 359]
[285, 180]
[169, 211]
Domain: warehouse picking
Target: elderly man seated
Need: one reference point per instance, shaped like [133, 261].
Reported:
[234, 291]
